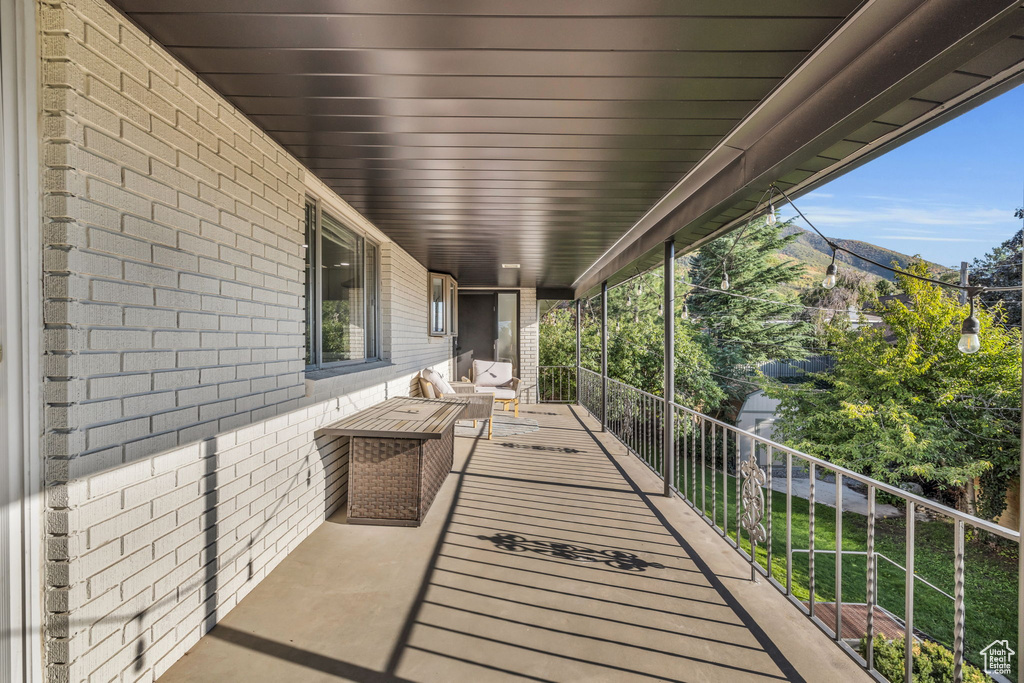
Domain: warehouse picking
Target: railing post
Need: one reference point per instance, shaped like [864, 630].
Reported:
[1020, 527]
[668, 448]
[908, 597]
[604, 355]
[579, 349]
[872, 568]
[959, 616]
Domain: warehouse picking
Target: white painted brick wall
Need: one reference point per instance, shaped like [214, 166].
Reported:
[529, 341]
[182, 457]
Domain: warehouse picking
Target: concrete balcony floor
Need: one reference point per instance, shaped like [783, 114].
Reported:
[546, 557]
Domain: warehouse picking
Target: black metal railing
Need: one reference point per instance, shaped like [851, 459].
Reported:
[556, 384]
[735, 480]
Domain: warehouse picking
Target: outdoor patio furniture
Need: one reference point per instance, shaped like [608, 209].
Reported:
[480, 406]
[400, 454]
[495, 378]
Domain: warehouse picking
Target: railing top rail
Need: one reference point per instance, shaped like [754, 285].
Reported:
[624, 385]
[939, 508]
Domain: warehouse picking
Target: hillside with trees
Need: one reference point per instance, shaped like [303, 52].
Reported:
[812, 251]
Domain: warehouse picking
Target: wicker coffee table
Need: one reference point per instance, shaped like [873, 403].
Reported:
[401, 452]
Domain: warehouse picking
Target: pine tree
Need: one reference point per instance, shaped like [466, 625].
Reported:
[1001, 267]
[755, 320]
[635, 343]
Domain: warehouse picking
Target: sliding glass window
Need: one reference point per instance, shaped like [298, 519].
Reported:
[341, 294]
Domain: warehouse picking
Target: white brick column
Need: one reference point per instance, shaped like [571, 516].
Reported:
[529, 340]
[182, 455]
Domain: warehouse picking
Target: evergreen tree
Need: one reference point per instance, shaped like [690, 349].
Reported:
[755, 320]
[635, 343]
[558, 336]
[1001, 267]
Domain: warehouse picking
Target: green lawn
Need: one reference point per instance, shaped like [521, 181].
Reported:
[990, 575]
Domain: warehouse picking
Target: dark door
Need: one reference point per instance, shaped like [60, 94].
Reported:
[478, 325]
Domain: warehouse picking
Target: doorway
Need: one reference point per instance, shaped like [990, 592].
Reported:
[488, 329]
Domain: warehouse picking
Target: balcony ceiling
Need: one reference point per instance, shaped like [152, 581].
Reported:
[476, 133]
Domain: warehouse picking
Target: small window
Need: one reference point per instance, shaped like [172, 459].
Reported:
[311, 284]
[453, 307]
[341, 293]
[443, 295]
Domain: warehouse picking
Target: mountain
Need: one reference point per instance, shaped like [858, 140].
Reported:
[812, 250]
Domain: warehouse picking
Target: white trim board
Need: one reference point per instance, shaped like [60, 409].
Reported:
[21, 647]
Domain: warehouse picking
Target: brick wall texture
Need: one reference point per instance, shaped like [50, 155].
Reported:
[182, 459]
[529, 342]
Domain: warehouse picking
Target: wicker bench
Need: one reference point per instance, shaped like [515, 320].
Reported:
[401, 452]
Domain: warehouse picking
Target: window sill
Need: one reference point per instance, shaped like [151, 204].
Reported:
[333, 382]
[342, 370]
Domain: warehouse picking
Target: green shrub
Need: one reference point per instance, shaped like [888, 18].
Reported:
[933, 663]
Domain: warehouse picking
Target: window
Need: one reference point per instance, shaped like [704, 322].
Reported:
[507, 344]
[342, 296]
[443, 294]
[453, 307]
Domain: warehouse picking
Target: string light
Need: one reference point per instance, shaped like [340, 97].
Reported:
[777, 302]
[830, 273]
[969, 341]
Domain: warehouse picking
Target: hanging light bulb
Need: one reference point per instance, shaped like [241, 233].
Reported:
[969, 341]
[661, 309]
[725, 281]
[770, 216]
[830, 277]
[830, 274]
[686, 312]
[629, 299]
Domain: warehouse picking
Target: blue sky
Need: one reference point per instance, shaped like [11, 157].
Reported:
[948, 195]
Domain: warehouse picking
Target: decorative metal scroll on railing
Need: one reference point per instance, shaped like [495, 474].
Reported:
[753, 506]
[726, 474]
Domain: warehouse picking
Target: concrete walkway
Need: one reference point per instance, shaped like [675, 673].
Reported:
[825, 494]
[546, 557]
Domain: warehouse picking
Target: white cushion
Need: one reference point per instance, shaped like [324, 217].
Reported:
[489, 373]
[441, 385]
[498, 393]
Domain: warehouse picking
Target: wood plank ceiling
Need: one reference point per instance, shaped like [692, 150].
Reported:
[482, 132]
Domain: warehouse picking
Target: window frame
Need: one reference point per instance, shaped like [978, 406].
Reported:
[449, 302]
[314, 313]
[453, 311]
